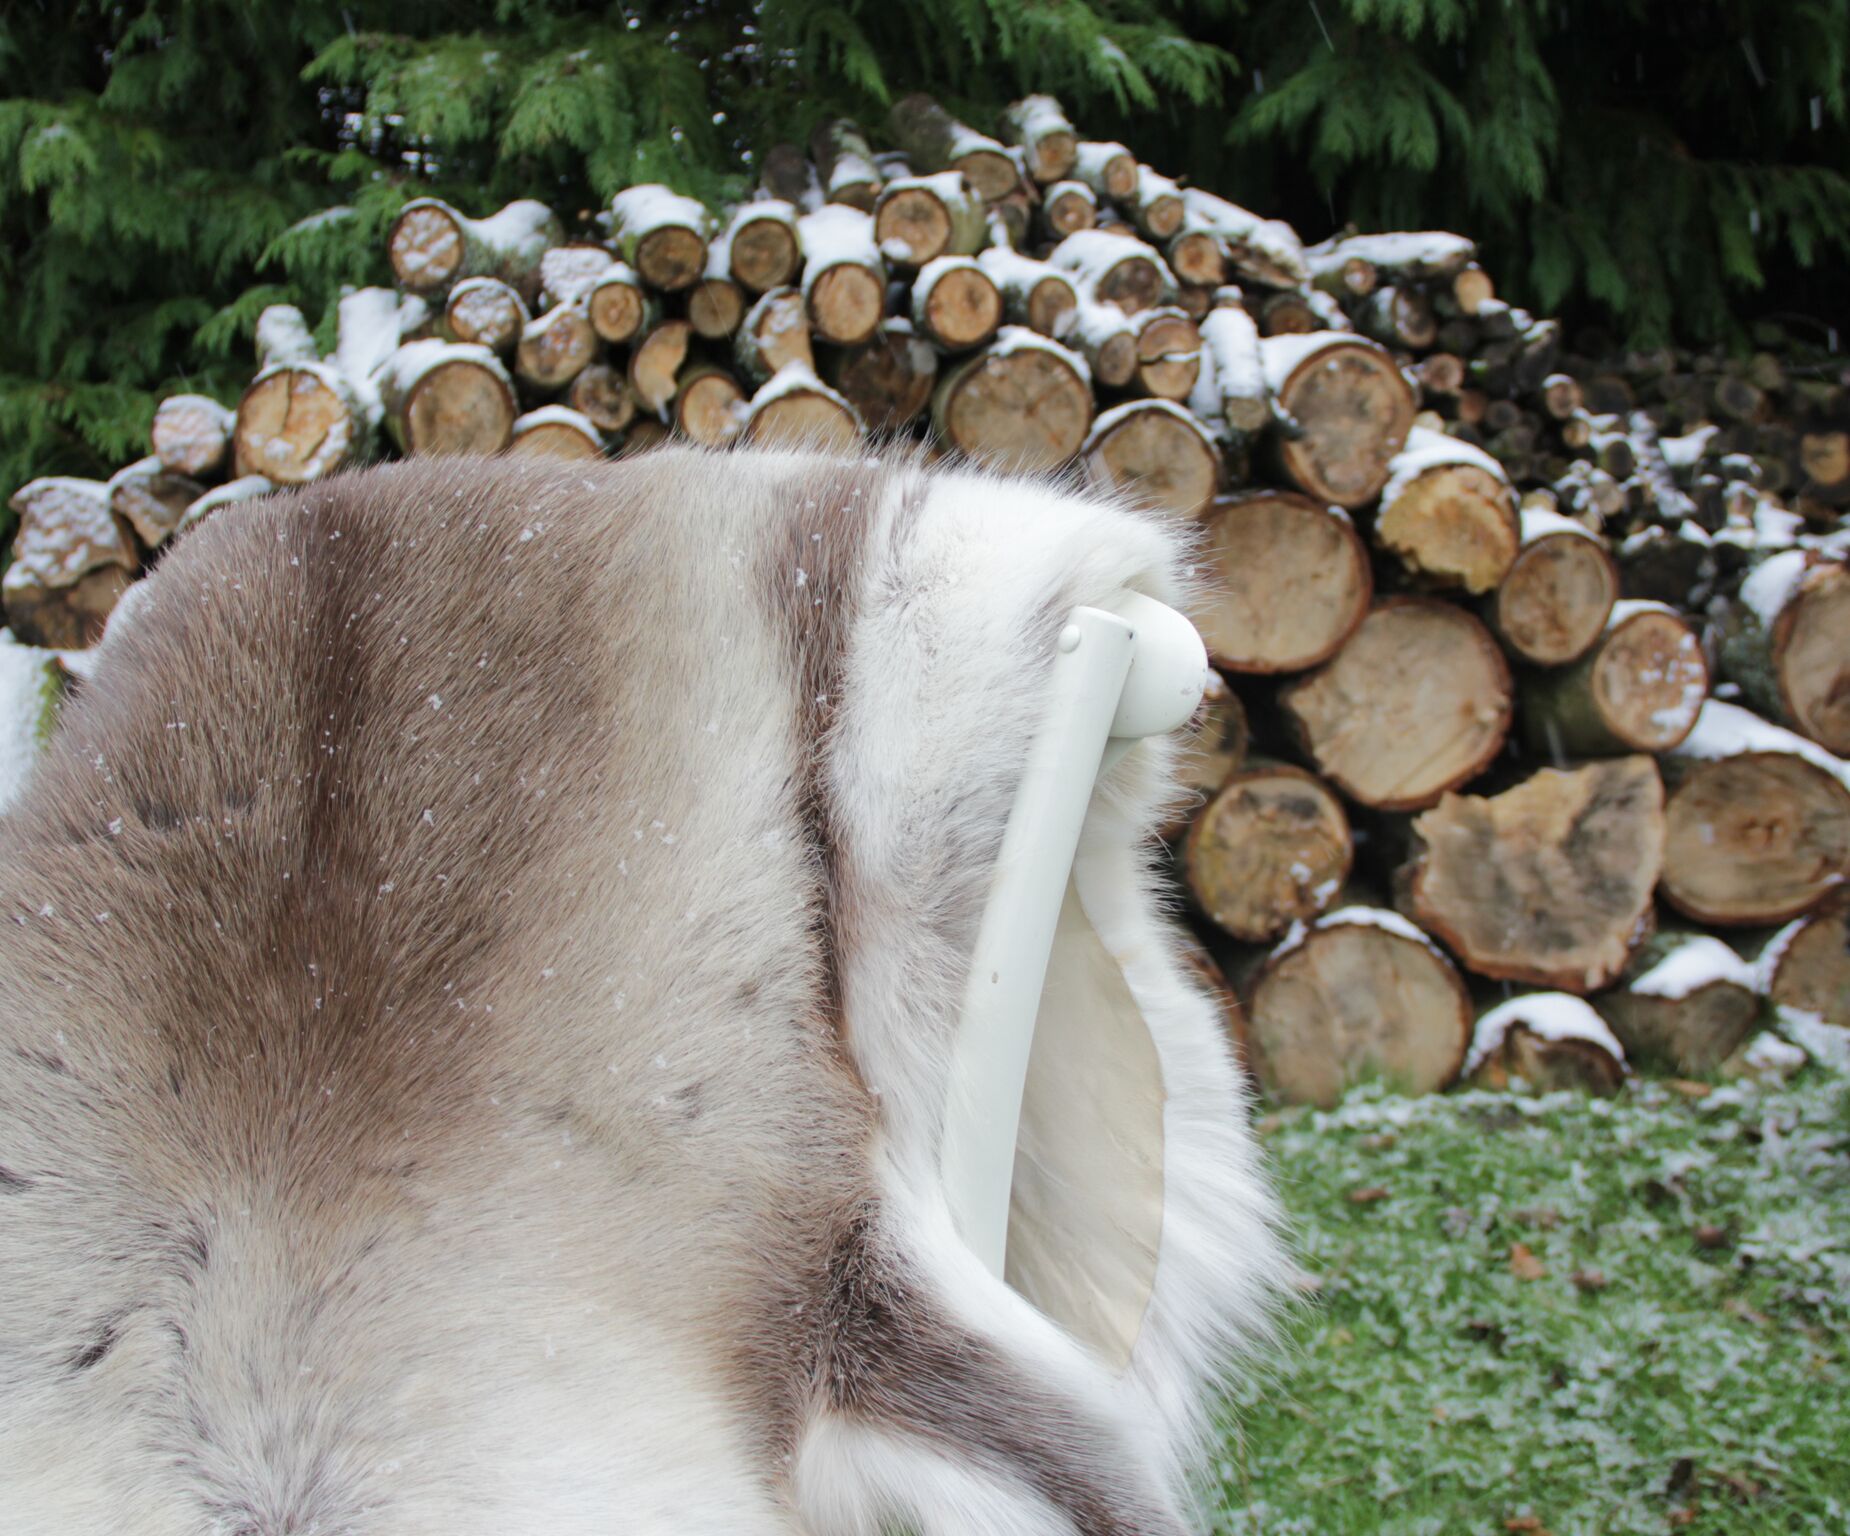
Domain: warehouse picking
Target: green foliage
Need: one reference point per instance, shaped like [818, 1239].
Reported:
[167, 167]
[1438, 1383]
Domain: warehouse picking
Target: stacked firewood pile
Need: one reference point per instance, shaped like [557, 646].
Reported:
[1604, 593]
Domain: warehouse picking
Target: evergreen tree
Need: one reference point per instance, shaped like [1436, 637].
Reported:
[169, 167]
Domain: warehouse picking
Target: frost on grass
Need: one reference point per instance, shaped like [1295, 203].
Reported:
[1680, 1363]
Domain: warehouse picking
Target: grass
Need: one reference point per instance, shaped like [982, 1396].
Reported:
[1559, 1315]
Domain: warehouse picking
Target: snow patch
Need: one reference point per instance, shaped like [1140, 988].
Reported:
[1700, 961]
[1548, 1015]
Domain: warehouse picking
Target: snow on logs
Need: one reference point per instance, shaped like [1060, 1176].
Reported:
[73, 557]
[1638, 688]
[1786, 643]
[432, 245]
[661, 234]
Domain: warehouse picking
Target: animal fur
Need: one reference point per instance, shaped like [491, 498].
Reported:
[476, 982]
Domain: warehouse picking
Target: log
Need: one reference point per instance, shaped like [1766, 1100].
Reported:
[762, 250]
[1638, 688]
[1758, 822]
[1068, 207]
[844, 283]
[151, 498]
[844, 168]
[231, 493]
[716, 304]
[1344, 275]
[1108, 169]
[1023, 402]
[1290, 313]
[889, 381]
[1550, 1041]
[1233, 388]
[1271, 848]
[935, 141]
[1786, 642]
[1806, 965]
[1168, 353]
[1412, 257]
[1263, 251]
[1549, 882]
[1156, 206]
[431, 245]
[661, 234]
[1398, 317]
[655, 365]
[567, 272]
[1358, 993]
[1469, 290]
[1349, 410]
[796, 409]
[1195, 257]
[1290, 582]
[601, 394]
[1212, 746]
[1687, 1003]
[1111, 269]
[786, 175]
[621, 308]
[191, 435]
[647, 433]
[709, 406]
[486, 312]
[446, 398]
[554, 432]
[775, 332]
[1158, 452]
[300, 418]
[1105, 338]
[1448, 514]
[69, 618]
[1047, 140]
[956, 303]
[1415, 702]
[1557, 596]
[1033, 293]
[555, 348]
[920, 218]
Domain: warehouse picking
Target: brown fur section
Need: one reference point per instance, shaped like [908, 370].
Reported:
[308, 913]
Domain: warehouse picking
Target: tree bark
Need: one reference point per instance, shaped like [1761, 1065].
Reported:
[1158, 452]
[844, 166]
[1021, 403]
[935, 141]
[1271, 848]
[1549, 882]
[1349, 410]
[1555, 600]
[1686, 1005]
[1235, 373]
[1638, 688]
[1416, 702]
[1156, 206]
[1110, 170]
[1105, 338]
[1291, 582]
[1398, 317]
[774, 333]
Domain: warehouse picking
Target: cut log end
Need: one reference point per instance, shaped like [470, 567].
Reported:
[1016, 407]
[961, 309]
[671, 258]
[1454, 525]
[426, 248]
[1812, 656]
[1271, 848]
[846, 304]
[191, 435]
[1355, 1000]
[458, 407]
[1291, 582]
[709, 406]
[889, 381]
[1554, 603]
[294, 426]
[1761, 837]
[655, 364]
[64, 618]
[1158, 455]
[545, 435]
[1812, 969]
[802, 419]
[1353, 409]
[1416, 702]
[715, 306]
[1549, 882]
[764, 254]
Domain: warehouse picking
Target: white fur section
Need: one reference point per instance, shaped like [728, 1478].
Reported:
[963, 603]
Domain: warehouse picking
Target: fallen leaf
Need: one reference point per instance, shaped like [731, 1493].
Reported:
[1590, 1279]
[1688, 1089]
[1682, 1516]
[1524, 1265]
[1709, 1236]
[1367, 1195]
[1528, 1523]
